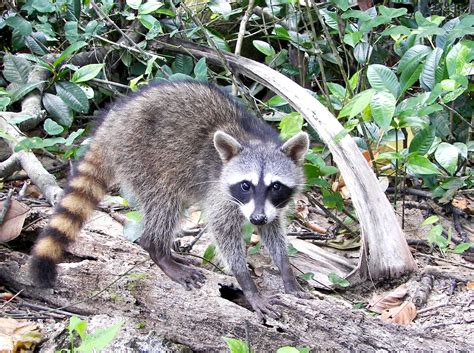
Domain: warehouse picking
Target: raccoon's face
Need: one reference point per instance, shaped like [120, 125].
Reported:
[261, 177]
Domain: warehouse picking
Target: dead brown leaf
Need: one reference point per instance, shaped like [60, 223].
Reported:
[316, 228]
[18, 335]
[302, 207]
[384, 301]
[403, 314]
[14, 220]
[470, 285]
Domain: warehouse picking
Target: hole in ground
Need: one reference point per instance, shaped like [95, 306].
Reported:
[234, 295]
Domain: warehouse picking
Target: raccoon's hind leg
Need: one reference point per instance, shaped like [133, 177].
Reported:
[160, 222]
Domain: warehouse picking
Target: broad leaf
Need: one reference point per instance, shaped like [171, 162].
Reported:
[73, 96]
[420, 165]
[183, 64]
[413, 55]
[264, 47]
[461, 54]
[220, 6]
[200, 70]
[422, 141]
[99, 339]
[290, 125]
[149, 7]
[69, 51]
[428, 74]
[381, 78]
[52, 127]
[21, 90]
[357, 104]
[15, 68]
[87, 73]
[447, 156]
[58, 109]
[382, 106]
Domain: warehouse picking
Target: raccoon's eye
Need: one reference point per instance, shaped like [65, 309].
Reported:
[245, 186]
[276, 186]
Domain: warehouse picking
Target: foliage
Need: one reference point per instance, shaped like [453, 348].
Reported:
[93, 342]
[239, 346]
[397, 79]
[436, 238]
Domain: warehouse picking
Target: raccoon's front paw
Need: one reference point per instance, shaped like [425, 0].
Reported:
[188, 277]
[302, 294]
[264, 306]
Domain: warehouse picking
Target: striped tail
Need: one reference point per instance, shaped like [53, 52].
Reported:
[84, 191]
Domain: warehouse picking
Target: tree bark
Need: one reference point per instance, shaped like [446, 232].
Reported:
[146, 298]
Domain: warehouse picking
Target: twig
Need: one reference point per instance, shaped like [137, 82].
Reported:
[187, 249]
[330, 215]
[422, 293]
[430, 308]
[240, 37]
[6, 206]
[31, 165]
[445, 260]
[9, 166]
[13, 297]
[21, 193]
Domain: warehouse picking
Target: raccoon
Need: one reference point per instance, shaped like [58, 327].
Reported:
[173, 144]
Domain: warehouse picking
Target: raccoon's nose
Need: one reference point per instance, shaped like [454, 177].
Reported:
[258, 219]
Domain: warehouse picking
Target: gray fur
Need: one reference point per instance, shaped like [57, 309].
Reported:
[161, 146]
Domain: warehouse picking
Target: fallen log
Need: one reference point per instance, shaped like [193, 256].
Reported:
[150, 303]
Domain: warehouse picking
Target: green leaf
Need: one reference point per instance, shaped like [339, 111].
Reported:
[413, 56]
[441, 40]
[352, 38]
[99, 339]
[180, 77]
[4, 102]
[58, 109]
[73, 96]
[218, 41]
[235, 345]
[422, 141]
[264, 47]
[459, 56]
[337, 90]
[200, 70]
[183, 64]
[396, 31]
[87, 73]
[70, 139]
[428, 74]
[220, 6]
[69, 52]
[15, 68]
[344, 6]
[382, 106]
[287, 349]
[290, 125]
[381, 78]
[334, 278]
[255, 249]
[430, 220]
[447, 156]
[435, 237]
[52, 127]
[43, 6]
[148, 21]
[247, 230]
[77, 325]
[209, 254]
[37, 142]
[307, 276]
[149, 7]
[357, 104]
[409, 77]
[23, 89]
[134, 4]
[19, 24]
[421, 165]
[19, 119]
[462, 247]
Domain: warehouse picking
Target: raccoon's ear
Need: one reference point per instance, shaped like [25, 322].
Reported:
[296, 147]
[227, 146]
